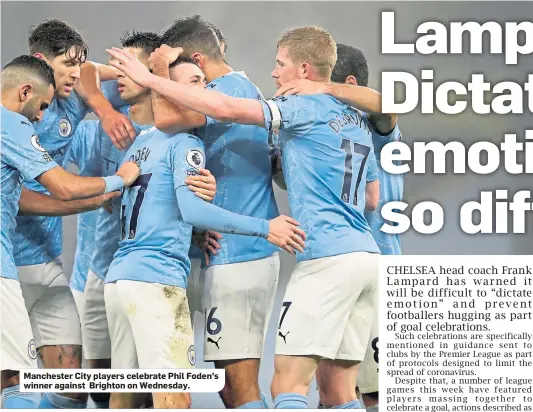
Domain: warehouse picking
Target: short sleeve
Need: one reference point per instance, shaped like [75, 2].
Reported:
[185, 158]
[84, 151]
[296, 114]
[372, 173]
[22, 150]
[380, 139]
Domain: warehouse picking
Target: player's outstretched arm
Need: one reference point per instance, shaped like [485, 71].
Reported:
[117, 126]
[38, 204]
[362, 98]
[208, 102]
[67, 186]
[170, 117]
[282, 231]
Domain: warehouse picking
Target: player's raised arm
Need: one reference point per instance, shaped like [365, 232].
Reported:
[115, 124]
[170, 117]
[211, 103]
[38, 204]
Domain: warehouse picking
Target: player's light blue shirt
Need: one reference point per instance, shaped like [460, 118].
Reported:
[327, 153]
[108, 227]
[39, 239]
[22, 157]
[390, 190]
[81, 152]
[238, 157]
[155, 239]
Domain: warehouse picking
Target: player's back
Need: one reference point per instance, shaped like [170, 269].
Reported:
[21, 156]
[155, 240]
[239, 158]
[390, 190]
[326, 152]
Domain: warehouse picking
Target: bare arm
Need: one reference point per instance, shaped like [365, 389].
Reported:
[209, 102]
[115, 124]
[171, 117]
[365, 99]
[38, 204]
[372, 195]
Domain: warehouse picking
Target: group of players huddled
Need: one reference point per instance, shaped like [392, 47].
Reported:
[178, 215]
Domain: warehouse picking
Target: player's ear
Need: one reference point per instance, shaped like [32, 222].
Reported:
[351, 80]
[40, 56]
[25, 92]
[199, 59]
[305, 70]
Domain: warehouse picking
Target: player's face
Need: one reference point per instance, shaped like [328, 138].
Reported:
[66, 72]
[188, 73]
[285, 70]
[130, 91]
[37, 100]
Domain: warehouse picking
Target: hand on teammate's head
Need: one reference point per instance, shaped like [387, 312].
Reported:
[165, 54]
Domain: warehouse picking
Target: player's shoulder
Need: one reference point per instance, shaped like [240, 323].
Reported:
[233, 82]
[185, 140]
[14, 123]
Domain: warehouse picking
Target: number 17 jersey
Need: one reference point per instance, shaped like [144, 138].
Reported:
[327, 157]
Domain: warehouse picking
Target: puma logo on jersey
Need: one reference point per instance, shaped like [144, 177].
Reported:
[215, 342]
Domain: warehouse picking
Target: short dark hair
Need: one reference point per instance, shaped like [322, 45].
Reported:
[220, 36]
[350, 62]
[144, 40]
[193, 34]
[54, 37]
[31, 65]
[182, 60]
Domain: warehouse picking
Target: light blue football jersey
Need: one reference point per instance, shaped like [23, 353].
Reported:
[327, 153]
[39, 239]
[155, 239]
[82, 153]
[22, 157]
[390, 190]
[238, 157]
[108, 229]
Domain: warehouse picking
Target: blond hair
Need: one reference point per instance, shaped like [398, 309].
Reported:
[311, 44]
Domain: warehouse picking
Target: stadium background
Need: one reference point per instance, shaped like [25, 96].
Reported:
[252, 29]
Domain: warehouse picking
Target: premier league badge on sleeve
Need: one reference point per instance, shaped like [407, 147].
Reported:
[195, 158]
[65, 128]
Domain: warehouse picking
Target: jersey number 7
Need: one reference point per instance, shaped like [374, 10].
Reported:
[352, 148]
[141, 181]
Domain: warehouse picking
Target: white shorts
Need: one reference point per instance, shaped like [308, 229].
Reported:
[368, 379]
[53, 313]
[329, 307]
[195, 283]
[150, 326]
[94, 327]
[79, 299]
[17, 345]
[239, 298]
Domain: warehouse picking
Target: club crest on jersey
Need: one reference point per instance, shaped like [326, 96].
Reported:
[195, 158]
[191, 354]
[65, 128]
[32, 350]
[34, 140]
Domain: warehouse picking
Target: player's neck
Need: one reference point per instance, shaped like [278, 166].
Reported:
[215, 70]
[141, 112]
[9, 104]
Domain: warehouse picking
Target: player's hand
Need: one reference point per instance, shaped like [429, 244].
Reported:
[203, 185]
[119, 128]
[165, 54]
[211, 244]
[285, 233]
[105, 200]
[301, 86]
[130, 66]
[129, 172]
